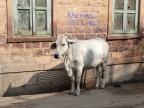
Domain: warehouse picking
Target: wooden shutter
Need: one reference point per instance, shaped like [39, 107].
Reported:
[42, 17]
[132, 16]
[125, 16]
[118, 16]
[22, 17]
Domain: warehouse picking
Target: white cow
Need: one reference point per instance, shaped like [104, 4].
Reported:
[80, 54]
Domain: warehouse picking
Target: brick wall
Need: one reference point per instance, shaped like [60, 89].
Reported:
[126, 51]
[84, 19]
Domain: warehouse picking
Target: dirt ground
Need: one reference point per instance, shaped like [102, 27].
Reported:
[126, 96]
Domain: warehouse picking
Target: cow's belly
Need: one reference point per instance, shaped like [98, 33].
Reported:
[93, 63]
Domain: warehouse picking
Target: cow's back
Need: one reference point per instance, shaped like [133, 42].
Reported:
[89, 52]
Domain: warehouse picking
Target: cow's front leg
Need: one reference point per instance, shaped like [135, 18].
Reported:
[72, 92]
[78, 79]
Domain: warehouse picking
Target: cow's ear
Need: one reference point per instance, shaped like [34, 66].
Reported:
[53, 46]
[71, 41]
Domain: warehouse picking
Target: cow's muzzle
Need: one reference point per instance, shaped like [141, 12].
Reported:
[56, 56]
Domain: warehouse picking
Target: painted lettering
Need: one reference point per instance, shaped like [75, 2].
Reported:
[72, 15]
[92, 23]
[74, 22]
[80, 15]
[86, 15]
[84, 19]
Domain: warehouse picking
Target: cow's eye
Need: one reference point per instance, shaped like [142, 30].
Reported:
[63, 44]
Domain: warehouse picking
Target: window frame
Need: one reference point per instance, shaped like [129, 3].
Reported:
[112, 36]
[26, 38]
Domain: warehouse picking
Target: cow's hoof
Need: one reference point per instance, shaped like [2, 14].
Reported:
[71, 93]
[77, 94]
[100, 87]
[96, 87]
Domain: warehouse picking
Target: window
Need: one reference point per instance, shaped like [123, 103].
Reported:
[125, 16]
[31, 20]
[32, 17]
[124, 19]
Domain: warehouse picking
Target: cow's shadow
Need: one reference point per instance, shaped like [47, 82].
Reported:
[52, 80]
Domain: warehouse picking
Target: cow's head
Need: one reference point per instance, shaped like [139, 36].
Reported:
[61, 45]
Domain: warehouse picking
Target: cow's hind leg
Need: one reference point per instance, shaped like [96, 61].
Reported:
[103, 66]
[97, 77]
[78, 80]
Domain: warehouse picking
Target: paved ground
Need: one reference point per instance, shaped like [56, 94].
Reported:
[127, 96]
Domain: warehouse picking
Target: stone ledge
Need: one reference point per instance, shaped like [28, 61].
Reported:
[128, 60]
[60, 65]
[30, 67]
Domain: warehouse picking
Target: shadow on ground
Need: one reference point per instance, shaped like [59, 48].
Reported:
[42, 82]
[57, 80]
